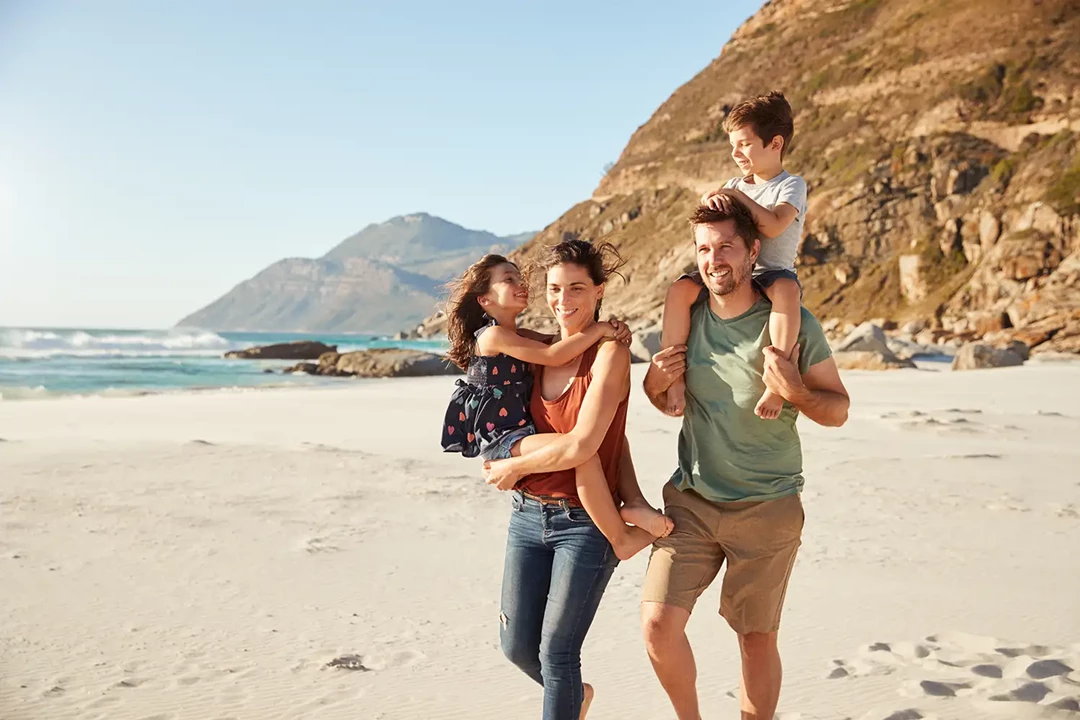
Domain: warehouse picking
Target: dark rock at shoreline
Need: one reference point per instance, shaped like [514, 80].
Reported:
[297, 350]
[385, 362]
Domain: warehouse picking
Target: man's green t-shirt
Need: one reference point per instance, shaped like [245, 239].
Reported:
[726, 452]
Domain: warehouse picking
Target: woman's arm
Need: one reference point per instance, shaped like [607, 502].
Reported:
[609, 387]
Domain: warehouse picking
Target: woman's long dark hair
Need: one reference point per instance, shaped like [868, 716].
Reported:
[600, 261]
[464, 316]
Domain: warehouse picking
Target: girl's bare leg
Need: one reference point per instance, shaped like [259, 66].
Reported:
[626, 540]
[636, 510]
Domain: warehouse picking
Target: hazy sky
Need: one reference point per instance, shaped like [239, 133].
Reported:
[153, 154]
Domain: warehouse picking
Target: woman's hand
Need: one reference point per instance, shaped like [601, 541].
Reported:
[501, 474]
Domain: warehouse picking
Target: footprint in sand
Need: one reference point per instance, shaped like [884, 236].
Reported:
[958, 668]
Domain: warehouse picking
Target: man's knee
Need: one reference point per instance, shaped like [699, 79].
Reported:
[757, 644]
[662, 625]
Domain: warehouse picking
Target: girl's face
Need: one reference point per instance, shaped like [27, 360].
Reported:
[572, 297]
[507, 290]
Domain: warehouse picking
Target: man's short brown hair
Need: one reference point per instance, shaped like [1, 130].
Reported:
[745, 227]
[767, 115]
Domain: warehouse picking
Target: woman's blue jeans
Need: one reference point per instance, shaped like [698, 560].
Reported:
[558, 565]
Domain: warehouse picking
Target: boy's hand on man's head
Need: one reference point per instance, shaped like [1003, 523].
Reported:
[723, 199]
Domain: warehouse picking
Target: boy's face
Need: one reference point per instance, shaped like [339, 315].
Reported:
[751, 153]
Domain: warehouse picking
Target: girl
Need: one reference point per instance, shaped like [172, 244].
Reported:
[488, 414]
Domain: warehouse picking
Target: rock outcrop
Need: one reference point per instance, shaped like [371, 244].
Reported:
[944, 176]
[379, 363]
[297, 350]
[869, 360]
[978, 356]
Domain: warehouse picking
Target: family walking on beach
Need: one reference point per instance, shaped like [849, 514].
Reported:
[741, 359]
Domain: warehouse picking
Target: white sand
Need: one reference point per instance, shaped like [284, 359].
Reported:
[205, 556]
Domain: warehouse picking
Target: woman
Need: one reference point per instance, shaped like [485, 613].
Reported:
[558, 563]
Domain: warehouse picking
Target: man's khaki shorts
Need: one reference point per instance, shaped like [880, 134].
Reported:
[759, 540]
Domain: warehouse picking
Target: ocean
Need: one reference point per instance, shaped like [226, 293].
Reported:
[39, 363]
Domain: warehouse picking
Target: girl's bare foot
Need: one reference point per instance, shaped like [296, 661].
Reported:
[769, 406]
[648, 519]
[631, 542]
[587, 701]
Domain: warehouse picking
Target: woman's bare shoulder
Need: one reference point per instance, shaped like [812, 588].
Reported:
[613, 355]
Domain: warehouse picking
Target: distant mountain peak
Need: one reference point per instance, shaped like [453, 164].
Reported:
[383, 278]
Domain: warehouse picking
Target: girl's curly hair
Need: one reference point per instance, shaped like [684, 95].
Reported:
[464, 316]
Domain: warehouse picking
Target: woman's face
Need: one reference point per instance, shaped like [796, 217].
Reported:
[572, 297]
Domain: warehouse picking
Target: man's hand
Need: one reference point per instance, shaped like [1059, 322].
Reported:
[670, 363]
[501, 474]
[666, 367]
[782, 375]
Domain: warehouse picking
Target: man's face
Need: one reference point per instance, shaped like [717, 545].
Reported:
[723, 259]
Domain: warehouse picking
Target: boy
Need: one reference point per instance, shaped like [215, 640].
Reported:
[760, 130]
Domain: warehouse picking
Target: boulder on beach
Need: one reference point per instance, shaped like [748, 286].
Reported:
[296, 350]
[869, 360]
[385, 362]
[645, 344]
[979, 356]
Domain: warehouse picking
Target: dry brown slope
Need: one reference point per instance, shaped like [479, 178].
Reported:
[940, 138]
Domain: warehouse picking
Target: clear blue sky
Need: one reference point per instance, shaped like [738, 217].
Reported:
[154, 154]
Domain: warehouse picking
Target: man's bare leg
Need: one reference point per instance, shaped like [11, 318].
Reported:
[761, 675]
[664, 628]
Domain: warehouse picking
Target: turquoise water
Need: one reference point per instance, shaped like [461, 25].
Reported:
[39, 363]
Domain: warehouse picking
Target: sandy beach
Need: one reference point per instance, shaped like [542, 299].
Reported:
[207, 555]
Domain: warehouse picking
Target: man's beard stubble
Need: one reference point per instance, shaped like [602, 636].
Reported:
[738, 277]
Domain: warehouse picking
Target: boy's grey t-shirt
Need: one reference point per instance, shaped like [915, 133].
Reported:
[726, 452]
[777, 253]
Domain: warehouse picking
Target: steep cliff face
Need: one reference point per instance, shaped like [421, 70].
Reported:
[940, 144]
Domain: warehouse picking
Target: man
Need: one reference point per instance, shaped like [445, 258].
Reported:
[735, 495]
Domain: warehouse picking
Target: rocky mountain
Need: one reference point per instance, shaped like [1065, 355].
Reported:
[941, 145]
[385, 277]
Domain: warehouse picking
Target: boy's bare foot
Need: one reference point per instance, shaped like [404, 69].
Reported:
[587, 700]
[631, 542]
[769, 406]
[676, 399]
[648, 519]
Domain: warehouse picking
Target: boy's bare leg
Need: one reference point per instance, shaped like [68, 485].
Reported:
[636, 510]
[626, 540]
[784, 321]
[675, 330]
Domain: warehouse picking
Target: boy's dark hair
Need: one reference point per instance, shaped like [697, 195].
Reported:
[767, 115]
[745, 227]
